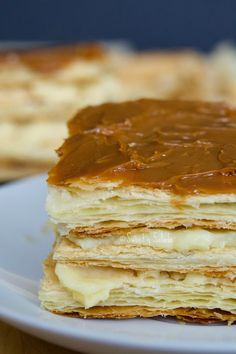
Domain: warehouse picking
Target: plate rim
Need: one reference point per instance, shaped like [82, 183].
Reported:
[82, 335]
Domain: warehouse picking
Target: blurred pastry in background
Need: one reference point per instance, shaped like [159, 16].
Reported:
[164, 74]
[221, 64]
[181, 74]
[40, 89]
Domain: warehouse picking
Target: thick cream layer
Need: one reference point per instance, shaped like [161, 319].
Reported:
[111, 287]
[168, 240]
[90, 285]
[90, 206]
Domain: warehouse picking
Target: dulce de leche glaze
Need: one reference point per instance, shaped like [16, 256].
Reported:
[184, 147]
[50, 59]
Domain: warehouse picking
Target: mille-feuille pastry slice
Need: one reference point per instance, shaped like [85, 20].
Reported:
[135, 167]
[181, 74]
[52, 83]
[176, 74]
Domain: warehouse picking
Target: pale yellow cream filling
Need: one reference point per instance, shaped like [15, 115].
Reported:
[179, 240]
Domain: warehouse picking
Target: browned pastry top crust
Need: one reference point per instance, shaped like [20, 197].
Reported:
[184, 147]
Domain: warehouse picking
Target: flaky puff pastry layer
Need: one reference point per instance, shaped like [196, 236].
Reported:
[146, 258]
[181, 249]
[59, 299]
[101, 207]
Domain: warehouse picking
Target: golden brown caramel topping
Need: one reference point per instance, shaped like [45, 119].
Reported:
[53, 58]
[185, 147]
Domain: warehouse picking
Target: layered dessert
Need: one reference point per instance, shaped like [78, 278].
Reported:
[143, 205]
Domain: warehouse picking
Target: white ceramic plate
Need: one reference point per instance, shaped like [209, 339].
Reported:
[24, 243]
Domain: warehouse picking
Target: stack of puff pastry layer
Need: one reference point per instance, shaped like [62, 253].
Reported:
[143, 200]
